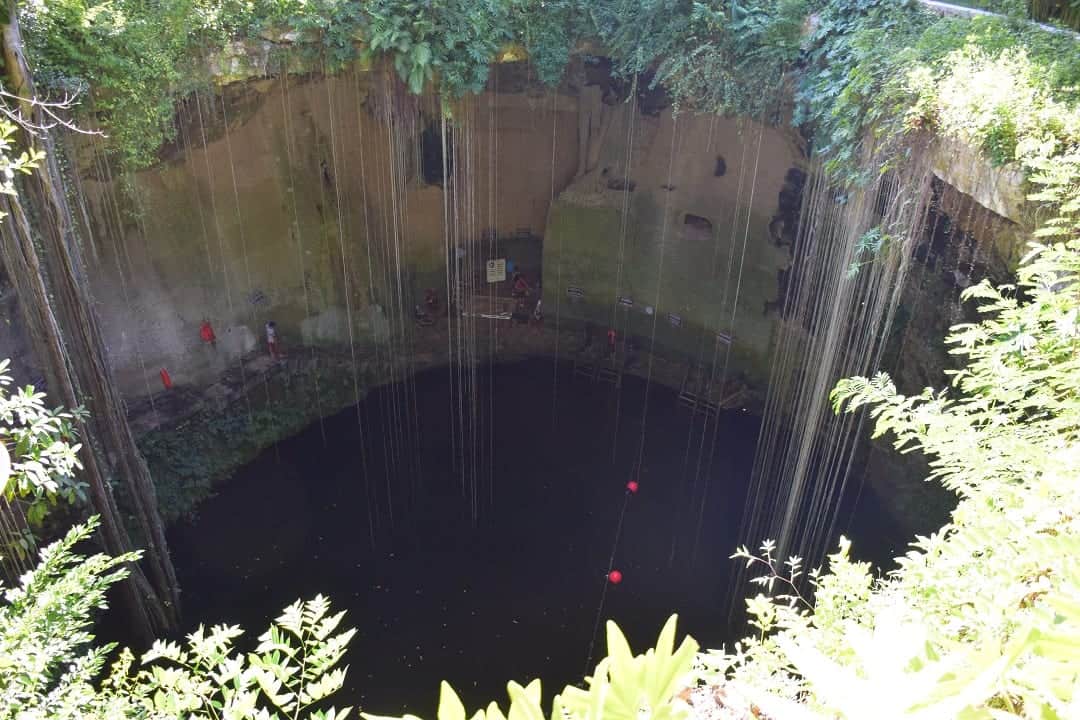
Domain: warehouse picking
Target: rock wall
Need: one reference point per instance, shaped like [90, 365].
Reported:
[309, 201]
[677, 235]
[295, 200]
[319, 203]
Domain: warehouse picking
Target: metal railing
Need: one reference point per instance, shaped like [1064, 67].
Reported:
[944, 8]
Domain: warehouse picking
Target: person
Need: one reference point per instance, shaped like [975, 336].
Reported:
[611, 340]
[520, 316]
[521, 286]
[421, 316]
[538, 314]
[586, 337]
[431, 302]
[272, 340]
[631, 354]
[206, 332]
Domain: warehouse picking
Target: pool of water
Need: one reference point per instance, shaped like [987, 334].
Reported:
[385, 527]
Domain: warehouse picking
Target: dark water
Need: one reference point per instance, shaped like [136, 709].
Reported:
[514, 597]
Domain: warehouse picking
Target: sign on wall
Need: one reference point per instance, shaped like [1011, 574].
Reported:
[496, 270]
[575, 293]
[626, 302]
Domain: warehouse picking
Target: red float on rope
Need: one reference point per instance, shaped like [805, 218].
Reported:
[614, 577]
[165, 379]
[632, 486]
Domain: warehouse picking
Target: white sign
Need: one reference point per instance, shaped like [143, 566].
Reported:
[496, 270]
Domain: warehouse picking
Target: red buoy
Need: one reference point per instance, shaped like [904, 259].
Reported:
[614, 577]
[165, 379]
[632, 486]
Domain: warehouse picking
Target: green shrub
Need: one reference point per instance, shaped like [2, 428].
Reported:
[621, 685]
[49, 669]
[982, 619]
[37, 458]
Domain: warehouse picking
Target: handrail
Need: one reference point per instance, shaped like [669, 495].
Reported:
[943, 8]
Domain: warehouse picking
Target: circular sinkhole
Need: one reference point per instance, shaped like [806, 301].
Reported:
[488, 564]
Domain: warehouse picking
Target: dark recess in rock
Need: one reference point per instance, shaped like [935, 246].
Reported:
[696, 226]
[431, 155]
[784, 226]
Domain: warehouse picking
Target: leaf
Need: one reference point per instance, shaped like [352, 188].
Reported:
[618, 649]
[450, 707]
[523, 706]
[416, 79]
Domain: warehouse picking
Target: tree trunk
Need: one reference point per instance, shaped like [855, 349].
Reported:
[68, 341]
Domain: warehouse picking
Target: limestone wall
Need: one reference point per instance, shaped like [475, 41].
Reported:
[303, 200]
[680, 233]
[309, 210]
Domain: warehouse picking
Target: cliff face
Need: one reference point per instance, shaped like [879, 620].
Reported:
[320, 203]
[311, 200]
[702, 209]
[317, 200]
[297, 201]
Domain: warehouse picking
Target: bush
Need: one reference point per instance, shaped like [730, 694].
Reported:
[982, 619]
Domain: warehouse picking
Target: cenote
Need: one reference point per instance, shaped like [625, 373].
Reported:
[503, 327]
[514, 595]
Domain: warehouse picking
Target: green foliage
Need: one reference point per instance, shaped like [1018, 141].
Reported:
[190, 459]
[718, 56]
[24, 163]
[983, 617]
[45, 669]
[877, 71]
[454, 40]
[49, 670]
[549, 31]
[329, 29]
[1066, 12]
[1012, 8]
[862, 65]
[293, 668]
[622, 686]
[38, 459]
[130, 56]
[867, 247]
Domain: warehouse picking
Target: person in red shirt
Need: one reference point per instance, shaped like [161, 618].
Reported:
[206, 332]
[611, 341]
[521, 286]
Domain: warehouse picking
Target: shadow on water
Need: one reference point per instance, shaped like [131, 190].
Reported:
[515, 597]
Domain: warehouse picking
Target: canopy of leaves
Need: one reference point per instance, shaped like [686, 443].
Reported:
[128, 59]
